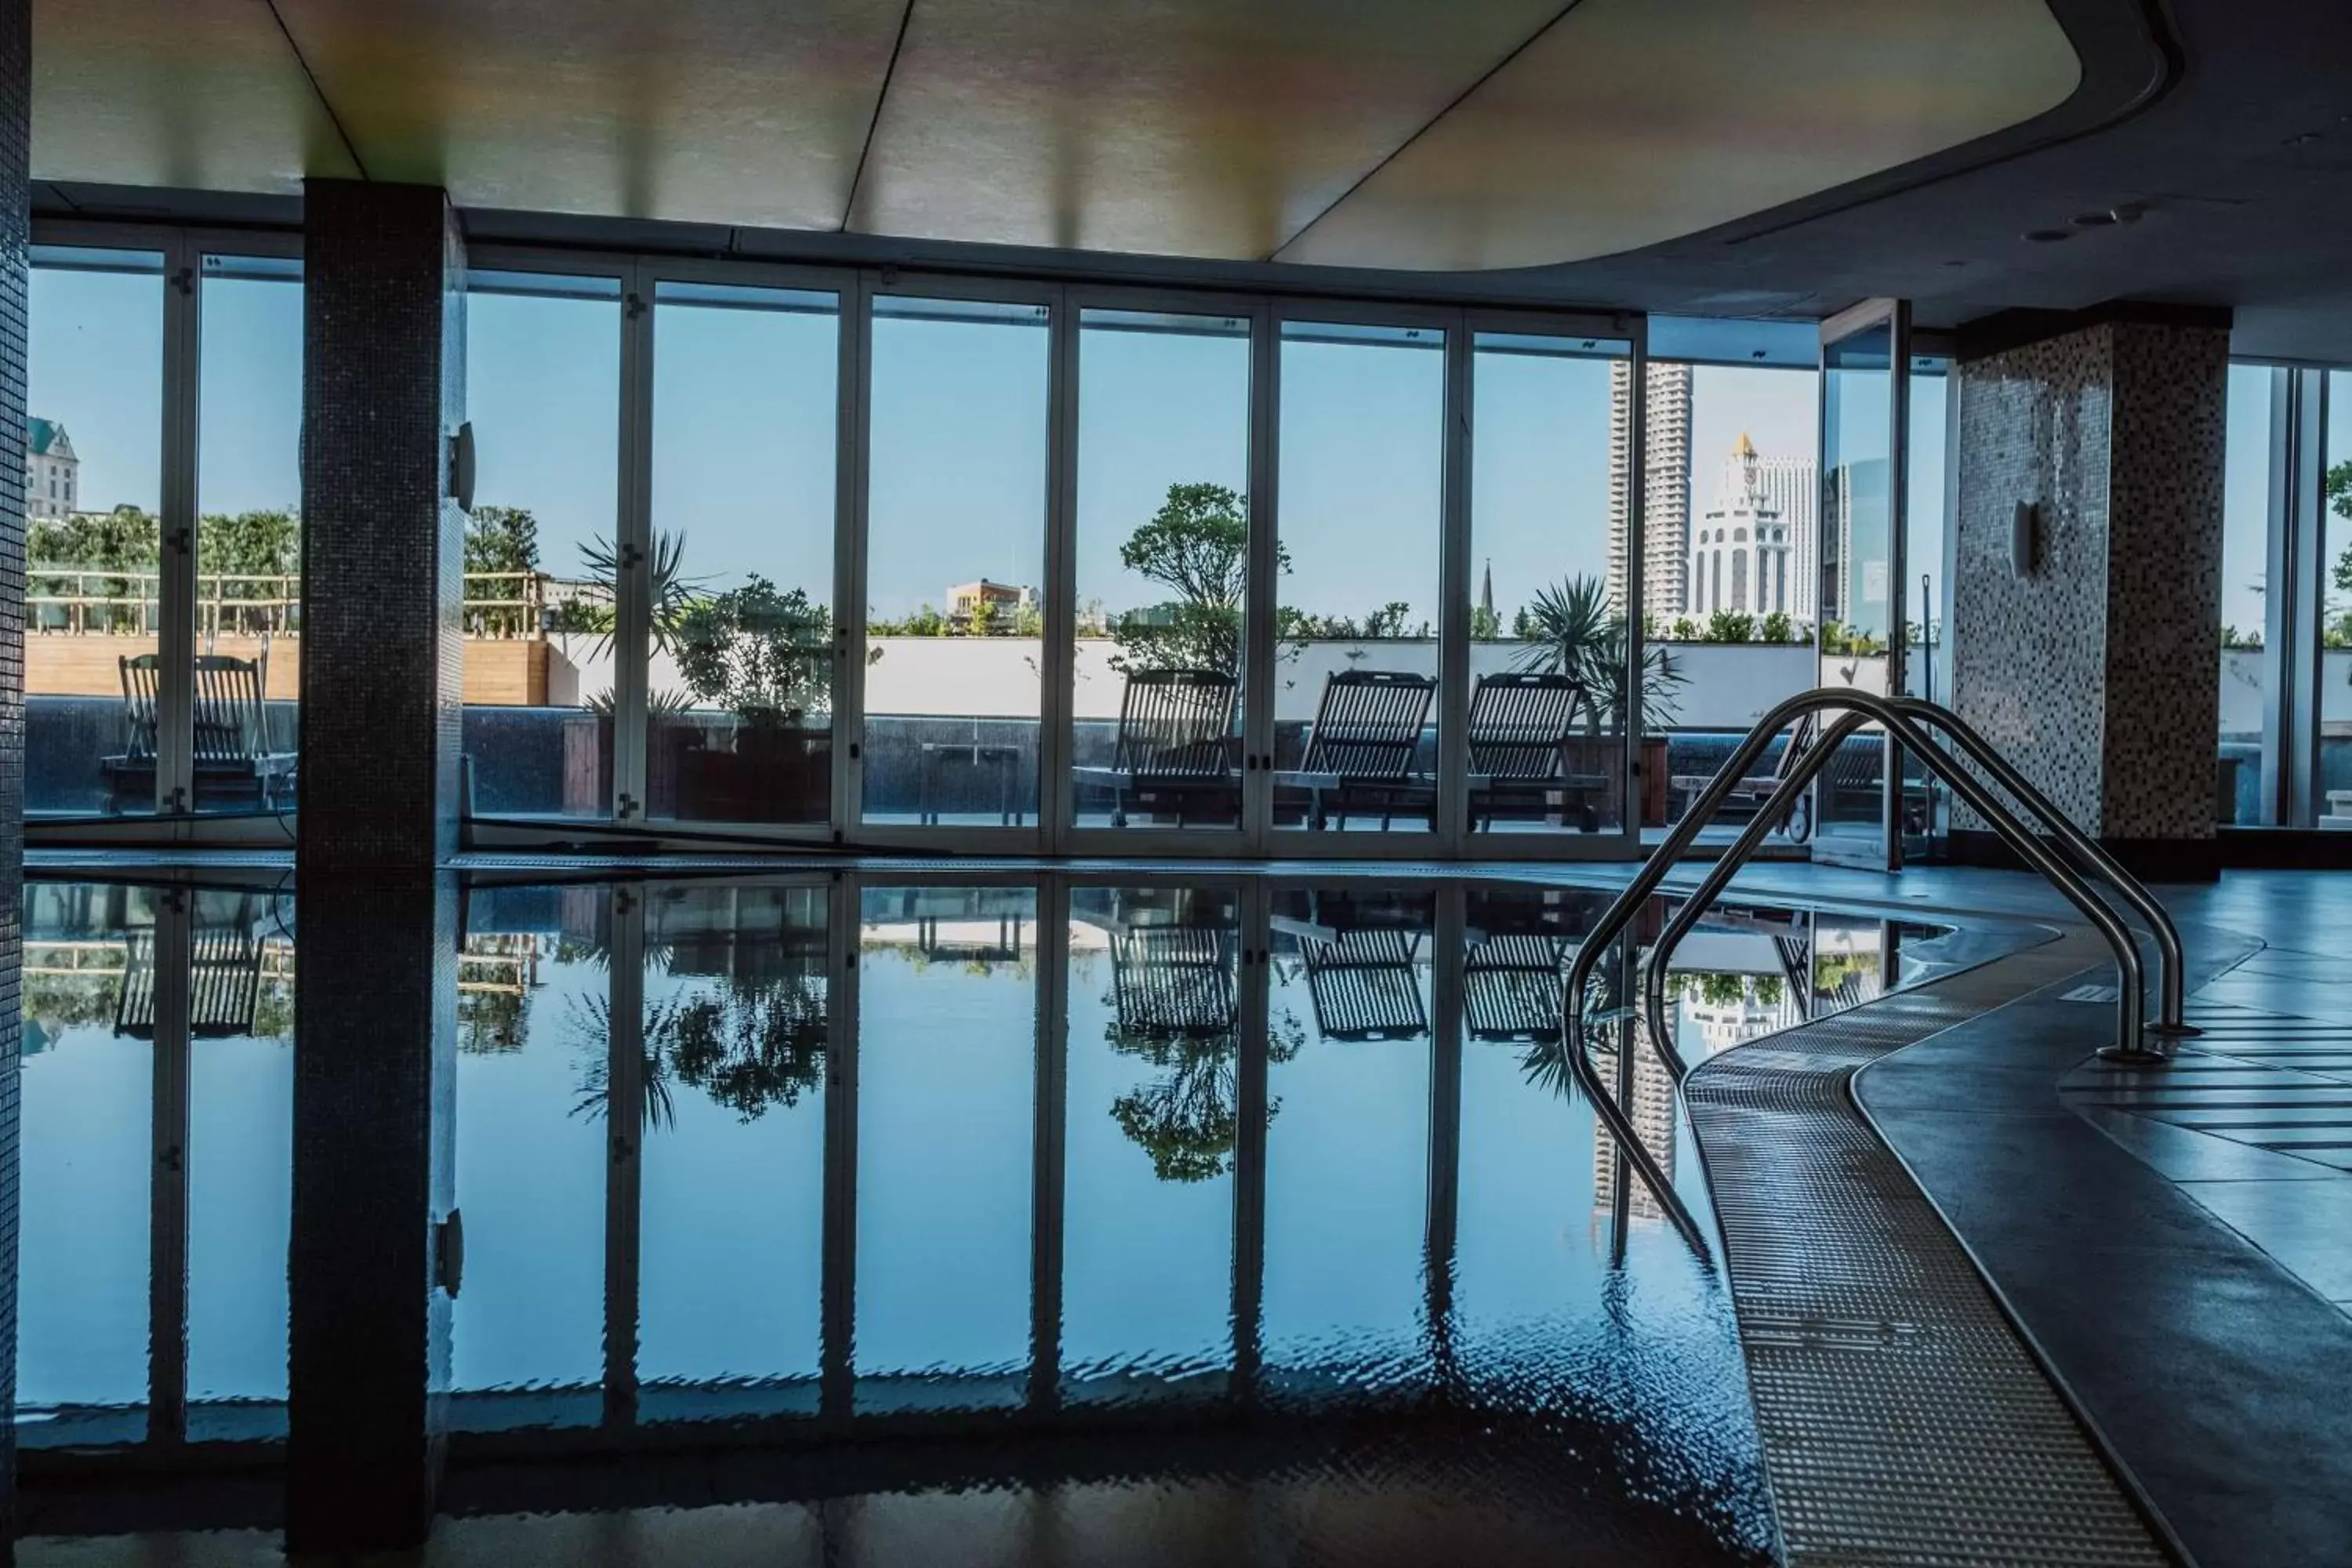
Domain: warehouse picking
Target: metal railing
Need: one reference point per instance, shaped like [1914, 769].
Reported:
[76, 600]
[1906, 720]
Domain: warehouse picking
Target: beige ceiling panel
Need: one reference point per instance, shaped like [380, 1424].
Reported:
[737, 111]
[196, 93]
[1208, 128]
[1634, 122]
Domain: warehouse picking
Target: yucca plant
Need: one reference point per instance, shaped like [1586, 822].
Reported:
[1573, 630]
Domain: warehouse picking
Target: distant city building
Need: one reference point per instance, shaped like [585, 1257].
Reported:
[1747, 553]
[1003, 600]
[1665, 486]
[1652, 1113]
[1861, 589]
[52, 472]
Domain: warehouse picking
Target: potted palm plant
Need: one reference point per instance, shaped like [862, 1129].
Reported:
[1572, 629]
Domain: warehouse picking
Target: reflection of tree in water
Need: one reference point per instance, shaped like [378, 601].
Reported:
[491, 1023]
[1188, 1117]
[749, 1045]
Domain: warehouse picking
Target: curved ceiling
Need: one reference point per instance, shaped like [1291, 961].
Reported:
[1360, 133]
[1633, 122]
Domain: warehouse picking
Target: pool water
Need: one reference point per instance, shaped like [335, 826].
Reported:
[1130, 1193]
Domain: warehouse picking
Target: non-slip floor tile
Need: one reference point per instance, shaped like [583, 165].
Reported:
[2306, 1225]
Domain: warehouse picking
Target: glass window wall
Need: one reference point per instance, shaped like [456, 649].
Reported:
[248, 665]
[543, 392]
[1162, 570]
[745, 432]
[2246, 599]
[1361, 505]
[93, 496]
[1547, 628]
[955, 561]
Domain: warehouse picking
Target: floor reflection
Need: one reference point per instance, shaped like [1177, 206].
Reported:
[789, 1159]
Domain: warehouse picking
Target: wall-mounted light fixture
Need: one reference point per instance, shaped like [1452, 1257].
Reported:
[2025, 540]
[461, 466]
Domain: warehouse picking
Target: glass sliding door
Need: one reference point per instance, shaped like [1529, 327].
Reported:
[1360, 568]
[1864, 420]
[954, 561]
[1548, 640]
[1161, 569]
[93, 497]
[2334, 801]
[543, 392]
[740, 645]
[2244, 695]
[248, 600]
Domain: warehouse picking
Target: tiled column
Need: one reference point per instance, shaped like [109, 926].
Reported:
[2095, 667]
[369, 1303]
[383, 391]
[15, 96]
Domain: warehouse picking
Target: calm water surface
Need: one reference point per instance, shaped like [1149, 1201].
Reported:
[1259, 1179]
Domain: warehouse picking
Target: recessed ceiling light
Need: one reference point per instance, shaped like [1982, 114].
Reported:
[2048, 235]
[2098, 218]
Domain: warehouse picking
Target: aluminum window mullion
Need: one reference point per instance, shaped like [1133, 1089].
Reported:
[852, 511]
[624, 1126]
[1056, 736]
[1630, 780]
[1264, 597]
[176, 558]
[632, 609]
[1453, 590]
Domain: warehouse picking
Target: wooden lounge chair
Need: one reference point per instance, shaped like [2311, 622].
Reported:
[1174, 754]
[1363, 986]
[1762, 791]
[1522, 722]
[232, 754]
[1360, 753]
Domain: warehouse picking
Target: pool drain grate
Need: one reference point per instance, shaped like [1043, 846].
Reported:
[1904, 1420]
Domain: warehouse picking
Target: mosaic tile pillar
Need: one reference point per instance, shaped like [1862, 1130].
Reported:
[376, 1256]
[372, 1264]
[15, 98]
[2094, 669]
[384, 390]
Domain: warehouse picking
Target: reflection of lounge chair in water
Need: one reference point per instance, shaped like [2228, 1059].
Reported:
[1175, 981]
[1174, 752]
[1511, 986]
[224, 984]
[1364, 986]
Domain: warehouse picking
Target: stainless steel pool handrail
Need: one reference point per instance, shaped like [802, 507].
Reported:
[1895, 715]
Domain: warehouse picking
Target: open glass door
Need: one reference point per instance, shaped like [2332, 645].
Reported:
[1865, 387]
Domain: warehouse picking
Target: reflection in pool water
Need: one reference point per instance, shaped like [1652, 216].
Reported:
[1146, 1160]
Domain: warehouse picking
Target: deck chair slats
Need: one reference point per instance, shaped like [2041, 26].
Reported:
[1364, 988]
[1174, 723]
[1175, 981]
[1369, 724]
[1520, 722]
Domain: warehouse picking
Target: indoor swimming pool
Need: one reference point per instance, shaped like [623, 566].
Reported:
[1044, 1197]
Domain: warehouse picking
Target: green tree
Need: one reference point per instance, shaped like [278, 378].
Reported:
[1485, 625]
[1777, 627]
[1196, 546]
[982, 621]
[251, 556]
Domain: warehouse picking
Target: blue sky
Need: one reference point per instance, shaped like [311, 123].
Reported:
[744, 440]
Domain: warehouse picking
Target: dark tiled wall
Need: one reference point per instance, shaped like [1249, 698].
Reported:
[2096, 674]
[383, 381]
[15, 96]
